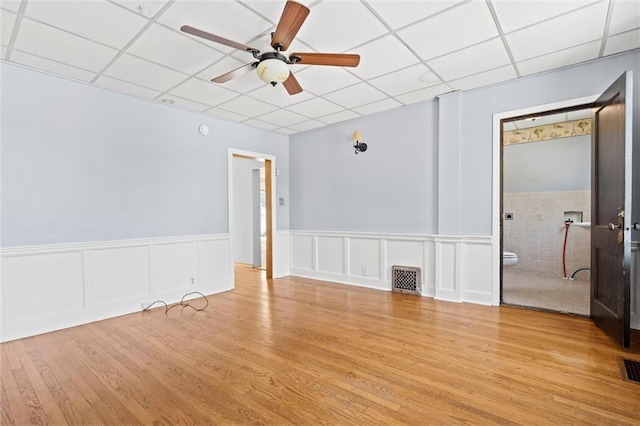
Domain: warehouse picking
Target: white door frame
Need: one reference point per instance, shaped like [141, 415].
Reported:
[495, 215]
[257, 155]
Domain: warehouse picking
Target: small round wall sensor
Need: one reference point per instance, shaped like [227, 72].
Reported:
[204, 130]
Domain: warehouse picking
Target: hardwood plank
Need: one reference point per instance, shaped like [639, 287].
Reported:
[299, 351]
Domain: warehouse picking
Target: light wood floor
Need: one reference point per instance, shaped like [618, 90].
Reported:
[307, 352]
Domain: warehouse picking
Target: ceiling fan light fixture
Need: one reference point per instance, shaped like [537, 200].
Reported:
[273, 71]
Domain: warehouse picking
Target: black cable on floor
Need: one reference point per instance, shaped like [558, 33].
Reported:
[182, 303]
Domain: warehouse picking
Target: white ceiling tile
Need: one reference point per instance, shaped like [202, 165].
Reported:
[51, 66]
[621, 42]
[323, 79]
[582, 26]
[223, 66]
[11, 5]
[216, 112]
[278, 95]
[339, 26]
[144, 73]
[260, 124]
[423, 94]
[146, 8]
[560, 59]
[174, 50]
[48, 42]
[226, 19]
[400, 13]
[379, 106]
[248, 106]
[203, 92]
[7, 21]
[382, 56]
[357, 95]
[282, 118]
[97, 20]
[286, 131]
[450, 30]
[315, 107]
[484, 79]
[406, 80]
[196, 106]
[338, 116]
[306, 125]
[517, 14]
[125, 87]
[272, 10]
[625, 16]
[472, 60]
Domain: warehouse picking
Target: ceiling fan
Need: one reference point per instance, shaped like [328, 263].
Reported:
[273, 67]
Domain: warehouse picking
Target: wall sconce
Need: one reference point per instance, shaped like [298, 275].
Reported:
[357, 142]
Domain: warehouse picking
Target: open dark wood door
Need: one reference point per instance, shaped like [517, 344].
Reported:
[611, 209]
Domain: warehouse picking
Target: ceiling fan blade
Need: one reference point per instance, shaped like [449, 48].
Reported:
[203, 34]
[335, 59]
[292, 18]
[235, 73]
[292, 85]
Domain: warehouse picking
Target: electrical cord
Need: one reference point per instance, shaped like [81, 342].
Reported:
[182, 303]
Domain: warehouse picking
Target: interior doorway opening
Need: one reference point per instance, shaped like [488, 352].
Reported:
[545, 210]
[251, 215]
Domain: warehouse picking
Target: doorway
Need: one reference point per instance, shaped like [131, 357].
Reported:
[546, 211]
[251, 189]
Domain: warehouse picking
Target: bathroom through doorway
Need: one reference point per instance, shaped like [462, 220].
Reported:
[546, 211]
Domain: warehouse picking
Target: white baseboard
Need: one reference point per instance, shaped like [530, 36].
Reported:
[450, 270]
[47, 288]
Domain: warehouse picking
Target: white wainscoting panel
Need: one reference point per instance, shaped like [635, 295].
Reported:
[47, 288]
[331, 255]
[173, 266]
[364, 258]
[130, 279]
[281, 263]
[302, 252]
[477, 269]
[448, 272]
[453, 268]
[41, 279]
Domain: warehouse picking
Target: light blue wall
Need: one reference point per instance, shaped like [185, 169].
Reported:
[81, 163]
[394, 186]
[389, 188]
[552, 165]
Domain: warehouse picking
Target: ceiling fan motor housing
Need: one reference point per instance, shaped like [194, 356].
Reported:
[273, 68]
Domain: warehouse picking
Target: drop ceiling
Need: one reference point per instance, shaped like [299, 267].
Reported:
[410, 50]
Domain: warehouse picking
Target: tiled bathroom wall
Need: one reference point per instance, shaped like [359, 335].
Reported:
[536, 233]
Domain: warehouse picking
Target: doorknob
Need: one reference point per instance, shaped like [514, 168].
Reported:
[635, 227]
[612, 227]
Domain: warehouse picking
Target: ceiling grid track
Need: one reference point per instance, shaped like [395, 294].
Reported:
[605, 33]
[133, 39]
[502, 37]
[16, 29]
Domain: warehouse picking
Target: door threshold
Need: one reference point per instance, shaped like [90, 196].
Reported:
[536, 308]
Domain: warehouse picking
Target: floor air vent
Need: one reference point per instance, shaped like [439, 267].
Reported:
[406, 279]
[630, 370]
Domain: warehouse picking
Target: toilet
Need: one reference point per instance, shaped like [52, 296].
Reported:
[509, 259]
